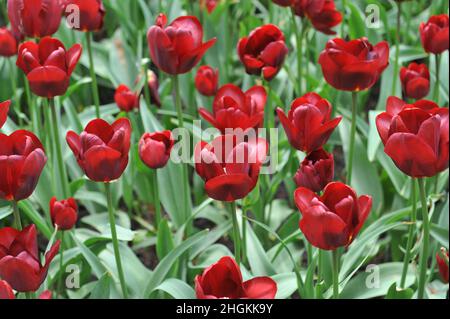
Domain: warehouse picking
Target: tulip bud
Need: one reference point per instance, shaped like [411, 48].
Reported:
[126, 99]
[8, 43]
[442, 261]
[316, 171]
[91, 12]
[434, 34]
[207, 80]
[155, 148]
[415, 80]
[64, 213]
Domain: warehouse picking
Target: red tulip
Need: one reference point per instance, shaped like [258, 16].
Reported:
[316, 171]
[126, 99]
[177, 48]
[415, 80]
[6, 292]
[153, 85]
[8, 43]
[91, 12]
[415, 136]
[209, 5]
[229, 166]
[234, 109]
[442, 262]
[155, 148]
[434, 34]
[22, 159]
[322, 14]
[263, 51]
[334, 219]
[354, 65]
[223, 280]
[48, 65]
[101, 149]
[45, 295]
[35, 19]
[308, 126]
[207, 80]
[64, 213]
[20, 263]
[4, 109]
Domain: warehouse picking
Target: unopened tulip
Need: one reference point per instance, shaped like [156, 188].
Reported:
[8, 43]
[415, 80]
[126, 99]
[155, 148]
[64, 213]
[91, 14]
[207, 80]
[316, 171]
[442, 262]
[434, 34]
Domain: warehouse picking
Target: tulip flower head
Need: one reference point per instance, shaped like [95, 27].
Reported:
[442, 262]
[91, 14]
[209, 5]
[64, 213]
[207, 80]
[415, 80]
[316, 171]
[223, 280]
[415, 136]
[20, 263]
[155, 148]
[322, 14]
[126, 99]
[434, 34]
[8, 43]
[4, 109]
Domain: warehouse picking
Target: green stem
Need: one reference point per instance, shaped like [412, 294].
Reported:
[33, 110]
[425, 241]
[115, 242]
[299, 39]
[59, 156]
[335, 274]
[437, 61]
[17, 106]
[93, 75]
[237, 239]
[147, 95]
[320, 266]
[244, 235]
[16, 212]
[61, 265]
[157, 203]
[397, 49]
[411, 231]
[344, 7]
[352, 139]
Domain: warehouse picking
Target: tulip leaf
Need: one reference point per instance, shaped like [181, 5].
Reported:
[177, 289]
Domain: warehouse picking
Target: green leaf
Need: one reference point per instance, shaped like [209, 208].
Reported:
[102, 288]
[398, 293]
[165, 242]
[177, 289]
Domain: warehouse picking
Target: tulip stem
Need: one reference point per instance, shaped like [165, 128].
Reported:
[397, 49]
[425, 241]
[412, 228]
[17, 105]
[61, 265]
[94, 85]
[437, 61]
[148, 98]
[335, 254]
[299, 38]
[157, 203]
[115, 242]
[59, 156]
[237, 240]
[352, 139]
[16, 212]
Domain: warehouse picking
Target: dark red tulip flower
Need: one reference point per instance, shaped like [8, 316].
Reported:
[415, 136]
[316, 170]
[230, 167]
[178, 47]
[322, 14]
[209, 5]
[415, 80]
[35, 19]
[22, 159]
[434, 34]
[308, 125]
[207, 80]
[354, 65]
[234, 109]
[4, 109]
[92, 13]
[442, 262]
[48, 65]
[64, 213]
[45, 295]
[8, 43]
[6, 292]
[223, 280]
[102, 149]
[20, 261]
[153, 85]
[155, 148]
[263, 51]
[334, 219]
[126, 99]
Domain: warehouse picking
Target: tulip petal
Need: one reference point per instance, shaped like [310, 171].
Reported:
[4, 109]
[260, 288]
[229, 188]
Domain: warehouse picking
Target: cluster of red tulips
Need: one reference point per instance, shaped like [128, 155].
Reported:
[414, 132]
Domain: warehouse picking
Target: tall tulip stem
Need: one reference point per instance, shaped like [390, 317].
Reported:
[352, 138]
[115, 242]
[237, 239]
[335, 254]
[61, 265]
[425, 241]
[156, 198]
[17, 105]
[397, 48]
[412, 228]
[93, 75]
[437, 61]
[16, 212]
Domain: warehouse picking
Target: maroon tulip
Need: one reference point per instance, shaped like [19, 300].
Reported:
[415, 80]
[6, 292]
[230, 167]
[91, 13]
[354, 65]
[48, 65]
[35, 19]
[223, 280]
[207, 80]
[20, 262]
[316, 171]
[4, 109]
[308, 126]
[64, 213]
[434, 34]
[442, 262]
[415, 136]
[177, 48]
[263, 51]
[155, 148]
[22, 159]
[234, 109]
[8, 43]
[153, 85]
[126, 99]
[334, 219]
[209, 5]
[322, 14]
[101, 149]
